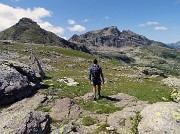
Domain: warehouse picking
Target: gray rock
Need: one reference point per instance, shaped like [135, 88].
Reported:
[17, 81]
[123, 99]
[37, 66]
[68, 129]
[160, 118]
[35, 123]
[121, 119]
[21, 117]
[172, 82]
[65, 110]
[69, 81]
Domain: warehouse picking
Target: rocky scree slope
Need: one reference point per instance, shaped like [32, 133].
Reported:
[28, 31]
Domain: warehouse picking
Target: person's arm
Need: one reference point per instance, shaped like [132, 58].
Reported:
[90, 72]
[102, 76]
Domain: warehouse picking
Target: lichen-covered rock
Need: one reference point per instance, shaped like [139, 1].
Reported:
[160, 118]
[21, 117]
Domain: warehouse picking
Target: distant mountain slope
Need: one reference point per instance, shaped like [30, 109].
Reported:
[111, 43]
[175, 45]
[28, 31]
[112, 37]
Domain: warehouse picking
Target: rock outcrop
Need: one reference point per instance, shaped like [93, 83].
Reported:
[160, 118]
[22, 117]
[17, 81]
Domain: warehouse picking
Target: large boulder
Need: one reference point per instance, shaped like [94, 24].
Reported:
[160, 118]
[22, 117]
[17, 81]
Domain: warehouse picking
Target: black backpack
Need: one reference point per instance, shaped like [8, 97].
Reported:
[96, 71]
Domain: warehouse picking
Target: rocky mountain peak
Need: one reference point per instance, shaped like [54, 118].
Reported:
[113, 30]
[27, 22]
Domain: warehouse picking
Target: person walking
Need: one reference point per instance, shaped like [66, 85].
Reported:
[95, 75]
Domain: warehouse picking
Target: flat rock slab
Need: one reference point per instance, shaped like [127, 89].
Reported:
[160, 118]
[21, 117]
[65, 110]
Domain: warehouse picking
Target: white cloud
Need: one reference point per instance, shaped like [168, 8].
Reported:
[141, 25]
[71, 22]
[50, 27]
[77, 28]
[107, 17]
[150, 23]
[10, 16]
[85, 20]
[160, 28]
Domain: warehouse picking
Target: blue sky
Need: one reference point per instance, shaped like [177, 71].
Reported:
[156, 19]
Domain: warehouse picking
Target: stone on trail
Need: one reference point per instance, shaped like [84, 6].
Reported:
[65, 110]
[68, 81]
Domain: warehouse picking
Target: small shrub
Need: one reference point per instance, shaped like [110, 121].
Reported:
[137, 119]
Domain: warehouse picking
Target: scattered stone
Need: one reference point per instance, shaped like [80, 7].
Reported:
[68, 81]
[153, 71]
[111, 128]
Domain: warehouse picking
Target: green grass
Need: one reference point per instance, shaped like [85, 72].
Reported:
[150, 90]
[88, 120]
[46, 109]
[101, 106]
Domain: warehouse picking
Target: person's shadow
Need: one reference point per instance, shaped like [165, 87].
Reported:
[110, 98]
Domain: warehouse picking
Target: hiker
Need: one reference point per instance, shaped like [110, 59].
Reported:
[95, 75]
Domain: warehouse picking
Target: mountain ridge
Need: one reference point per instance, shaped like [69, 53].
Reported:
[111, 36]
[28, 31]
[175, 45]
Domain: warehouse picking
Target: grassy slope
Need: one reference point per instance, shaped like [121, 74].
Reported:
[149, 90]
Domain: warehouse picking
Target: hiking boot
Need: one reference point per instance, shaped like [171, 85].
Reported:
[94, 97]
[99, 96]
